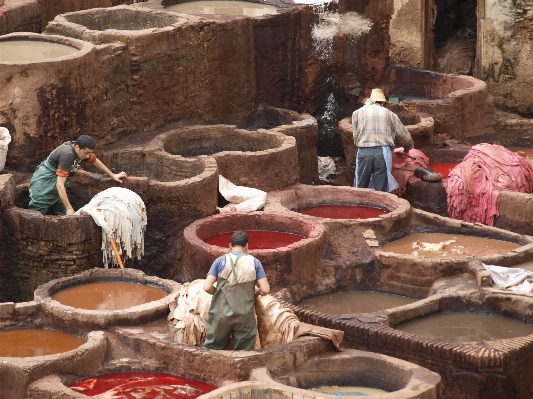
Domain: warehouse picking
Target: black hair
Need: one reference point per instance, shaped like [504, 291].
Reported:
[85, 141]
[239, 238]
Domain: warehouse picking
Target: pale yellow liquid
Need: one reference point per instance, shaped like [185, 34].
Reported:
[350, 391]
[526, 266]
[32, 50]
[223, 7]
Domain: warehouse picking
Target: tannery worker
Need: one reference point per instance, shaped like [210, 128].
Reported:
[232, 307]
[51, 178]
[376, 130]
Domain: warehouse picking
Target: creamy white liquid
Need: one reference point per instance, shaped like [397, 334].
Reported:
[32, 50]
[223, 7]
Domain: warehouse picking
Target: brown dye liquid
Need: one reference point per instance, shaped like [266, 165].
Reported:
[339, 303]
[28, 342]
[223, 7]
[32, 50]
[350, 391]
[463, 246]
[108, 295]
[466, 327]
[523, 151]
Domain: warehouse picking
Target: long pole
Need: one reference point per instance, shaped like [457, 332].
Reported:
[117, 255]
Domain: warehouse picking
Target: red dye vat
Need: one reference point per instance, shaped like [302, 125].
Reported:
[142, 385]
[258, 239]
[343, 211]
[443, 168]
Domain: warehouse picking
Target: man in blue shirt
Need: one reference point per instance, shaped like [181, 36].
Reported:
[232, 307]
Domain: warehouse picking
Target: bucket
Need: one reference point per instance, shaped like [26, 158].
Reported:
[5, 139]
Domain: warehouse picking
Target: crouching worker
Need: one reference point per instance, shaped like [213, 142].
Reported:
[232, 307]
[51, 178]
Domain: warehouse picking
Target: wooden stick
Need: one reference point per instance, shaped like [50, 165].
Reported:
[117, 255]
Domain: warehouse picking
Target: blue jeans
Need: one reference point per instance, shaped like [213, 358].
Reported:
[370, 162]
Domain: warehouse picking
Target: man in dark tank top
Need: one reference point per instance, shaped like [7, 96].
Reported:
[49, 181]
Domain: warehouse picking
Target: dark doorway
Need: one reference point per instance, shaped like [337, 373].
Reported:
[455, 31]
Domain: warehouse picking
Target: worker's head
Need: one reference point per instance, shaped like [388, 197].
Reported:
[239, 239]
[377, 96]
[84, 146]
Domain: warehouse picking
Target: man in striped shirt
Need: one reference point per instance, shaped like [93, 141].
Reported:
[376, 130]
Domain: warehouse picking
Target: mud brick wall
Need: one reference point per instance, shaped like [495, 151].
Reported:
[39, 248]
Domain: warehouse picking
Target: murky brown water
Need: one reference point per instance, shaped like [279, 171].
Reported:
[523, 151]
[350, 391]
[108, 295]
[348, 302]
[32, 50]
[527, 266]
[466, 327]
[223, 7]
[462, 246]
[27, 342]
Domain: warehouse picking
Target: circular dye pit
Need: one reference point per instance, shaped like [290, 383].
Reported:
[257, 239]
[339, 303]
[221, 7]
[108, 295]
[466, 327]
[32, 50]
[443, 168]
[29, 342]
[523, 151]
[142, 385]
[526, 266]
[434, 245]
[343, 211]
[349, 391]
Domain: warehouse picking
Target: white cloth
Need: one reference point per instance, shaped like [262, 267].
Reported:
[241, 199]
[122, 215]
[326, 167]
[392, 184]
[511, 278]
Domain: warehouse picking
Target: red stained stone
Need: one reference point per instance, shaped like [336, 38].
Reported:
[258, 239]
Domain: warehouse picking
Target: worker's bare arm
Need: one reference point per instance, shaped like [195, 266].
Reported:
[209, 284]
[60, 186]
[100, 165]
[264, 286]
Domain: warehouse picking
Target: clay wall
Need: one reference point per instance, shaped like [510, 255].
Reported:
[20, 16]
[406, 34]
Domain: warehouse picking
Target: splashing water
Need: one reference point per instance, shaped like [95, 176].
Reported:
[351, 24]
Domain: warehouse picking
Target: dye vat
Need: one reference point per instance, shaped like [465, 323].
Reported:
[523, 151]
[257, 239]
[108, 295]
[350, 391]
[343, 211]
[32, 50]
[339, 303]
[145, 385]
[443, 168]
[466, 327]
[526, 266]
[28, 342]
[435, 245]
[222, 7]
[354, 368]
[281, 260]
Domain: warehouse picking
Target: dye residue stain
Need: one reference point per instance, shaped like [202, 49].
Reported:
[258, 239]
[343, 211]
[349, 302]
[142, 385]
[350, 391]
[434, 245]
[28, 342]
[466, 327]
[443, 168]
[108, 295]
